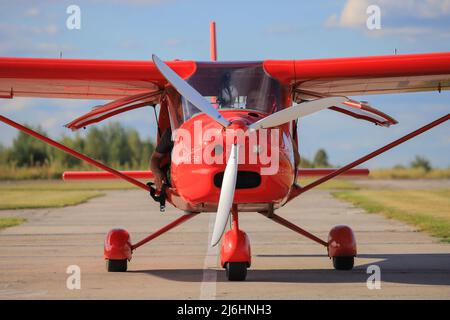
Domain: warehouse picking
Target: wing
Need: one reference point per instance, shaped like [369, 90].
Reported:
[365, 75]
[83, 79]
[311, 79]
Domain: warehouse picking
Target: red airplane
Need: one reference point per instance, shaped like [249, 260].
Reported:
[232, 103]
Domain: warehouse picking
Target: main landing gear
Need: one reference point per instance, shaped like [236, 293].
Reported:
[235, 253]
[118, 248]
[341, 245]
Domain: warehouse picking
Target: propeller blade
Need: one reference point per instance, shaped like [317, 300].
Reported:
[188, 92]
[226, 196]
[296, 111]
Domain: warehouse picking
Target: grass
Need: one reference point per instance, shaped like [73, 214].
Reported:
[59, 185]
[22, 199]
[429, 210]
[6, 222]
[49, 194]
[12, 172]
[53, 193]
[410, 173]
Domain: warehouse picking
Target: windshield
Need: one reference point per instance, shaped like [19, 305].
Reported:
[239, 86]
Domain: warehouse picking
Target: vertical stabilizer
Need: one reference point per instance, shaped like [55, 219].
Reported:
[212, 39]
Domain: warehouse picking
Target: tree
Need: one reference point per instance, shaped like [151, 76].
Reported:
[321, 159]
[96, 145]
[28, 151]
[305, 163]
[113, 145]
[118, 149]
[65, 159]
[421, 162]
[3, 154]
[147, 150]
[135, 145]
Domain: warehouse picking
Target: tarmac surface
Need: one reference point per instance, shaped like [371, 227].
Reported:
[34, 257]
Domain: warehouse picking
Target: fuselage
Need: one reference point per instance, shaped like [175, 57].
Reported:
[201, 149]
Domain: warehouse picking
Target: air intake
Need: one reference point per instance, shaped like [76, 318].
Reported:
[245, 180]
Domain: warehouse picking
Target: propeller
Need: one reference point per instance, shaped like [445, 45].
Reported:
[226, 195]
[188, 92]
[296, 111]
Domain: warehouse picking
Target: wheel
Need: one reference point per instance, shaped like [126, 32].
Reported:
[343, 263]
[236, 271]
[116, 265]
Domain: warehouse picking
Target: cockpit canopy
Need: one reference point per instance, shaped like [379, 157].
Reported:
[234, 86]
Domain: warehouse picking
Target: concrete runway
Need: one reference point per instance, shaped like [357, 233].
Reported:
[179, 265]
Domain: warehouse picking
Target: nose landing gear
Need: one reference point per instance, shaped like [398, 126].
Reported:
[235, 253]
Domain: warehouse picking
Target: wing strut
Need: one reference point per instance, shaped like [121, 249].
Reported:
[299, 190]
[74, 153]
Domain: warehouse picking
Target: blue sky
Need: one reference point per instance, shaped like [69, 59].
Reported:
[246, 30]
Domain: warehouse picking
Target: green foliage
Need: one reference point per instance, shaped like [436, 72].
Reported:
[305, 163]
[27, 151]
[113, 144]
[4, 154]
[64, 159]
[421, 162]
[95, 145]
[321, 159]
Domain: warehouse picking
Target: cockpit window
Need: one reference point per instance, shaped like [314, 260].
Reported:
[243, 86]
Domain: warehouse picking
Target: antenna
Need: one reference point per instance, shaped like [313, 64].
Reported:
[212, 39]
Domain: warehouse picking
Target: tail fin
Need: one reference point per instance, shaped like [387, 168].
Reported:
[212, 39]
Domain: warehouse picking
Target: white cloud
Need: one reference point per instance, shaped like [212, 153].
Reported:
[354, 13]
[50, 123]
[14, 30]
[16, 104]
[398, 18]
[431, 8]
[408, 33]
[33, 39]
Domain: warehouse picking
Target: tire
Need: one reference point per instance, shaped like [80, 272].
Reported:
[116, 265]
[236, 271]
[343, 263]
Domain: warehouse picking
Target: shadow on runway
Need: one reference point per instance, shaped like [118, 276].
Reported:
[419, 269]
